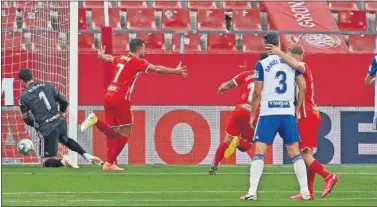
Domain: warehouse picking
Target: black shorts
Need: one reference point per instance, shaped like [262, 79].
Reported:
[59, 134]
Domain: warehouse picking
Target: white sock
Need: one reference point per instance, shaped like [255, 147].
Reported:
[87, 156]
[256, 170]
[300, 170]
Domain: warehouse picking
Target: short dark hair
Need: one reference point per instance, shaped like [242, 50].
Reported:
[136, 44]
[271, 38]
[25, 75]
[263, 55]
[296, 49]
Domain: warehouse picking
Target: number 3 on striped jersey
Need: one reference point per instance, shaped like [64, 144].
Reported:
[251, 91]
[120, 68]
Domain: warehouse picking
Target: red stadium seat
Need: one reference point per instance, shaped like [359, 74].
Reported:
[371, 6]
[98, 18]
[167, 4]
[221, 43]
[36, 18]
[191, 43]
[201, 5]
[93, 4]
[246, 20]
[47, 42]
[120, 42]
[352, 21]
[252, 43]
[13, 42]
[175, 19]
[154, 42]
[236, 5]
[8, 18]
[362, 43]
[25, 4]
[349, 5]
[140, 19]
[86, 42]
[82, 18]
[132, 4]
[211, 19]
[114, 17]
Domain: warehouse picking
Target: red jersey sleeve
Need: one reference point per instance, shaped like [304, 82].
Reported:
[240, 78]
[116, 60]
[141, 65]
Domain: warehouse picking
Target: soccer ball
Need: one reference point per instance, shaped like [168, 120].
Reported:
[25, 146]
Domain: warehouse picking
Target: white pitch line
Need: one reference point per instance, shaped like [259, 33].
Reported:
[160, 173]
[162, 192]
[161, 200]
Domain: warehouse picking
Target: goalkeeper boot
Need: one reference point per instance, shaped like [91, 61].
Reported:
[330, 182]
[92, 159]
[90, 121]
[232, 147]
[212, 170]
[248, 197]
[66, 160]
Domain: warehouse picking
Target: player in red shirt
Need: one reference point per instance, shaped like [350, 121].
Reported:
[117, 104]
[239, 134]
[309, 121]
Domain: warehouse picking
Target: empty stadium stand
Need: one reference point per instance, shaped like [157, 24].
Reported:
[207, 25]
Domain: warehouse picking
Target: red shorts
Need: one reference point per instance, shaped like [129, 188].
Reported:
[239, 124]
[117, 110]
[308, 128]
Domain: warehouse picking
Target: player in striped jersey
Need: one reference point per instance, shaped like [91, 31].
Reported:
[309, 121]
[370, 80]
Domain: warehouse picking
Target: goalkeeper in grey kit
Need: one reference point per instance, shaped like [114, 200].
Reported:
[39, 107]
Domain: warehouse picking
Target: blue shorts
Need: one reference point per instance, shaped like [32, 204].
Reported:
[269, 126]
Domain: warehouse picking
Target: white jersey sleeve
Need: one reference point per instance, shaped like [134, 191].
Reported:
[372, 72]
[278, 91]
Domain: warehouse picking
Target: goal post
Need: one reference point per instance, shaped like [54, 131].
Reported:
[41, 36]
[73, 73]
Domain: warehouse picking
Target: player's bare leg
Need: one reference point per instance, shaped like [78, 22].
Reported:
[223, 151]
[116, 147]
[300, 170]
[256, 171]
[314, 167]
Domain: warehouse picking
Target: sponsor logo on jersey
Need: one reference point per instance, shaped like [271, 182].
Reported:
[278, 104]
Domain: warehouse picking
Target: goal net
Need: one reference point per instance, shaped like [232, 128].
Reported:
[34, 35]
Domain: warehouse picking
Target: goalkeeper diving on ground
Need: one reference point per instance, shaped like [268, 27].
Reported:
[42, 107]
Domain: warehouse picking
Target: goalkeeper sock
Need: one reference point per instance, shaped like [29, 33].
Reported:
[256, 170]
[300, 170]
[112, 150]
[122, 141]
[74, 146]
[319, 169]
[106, 129]
[52, 162]
[311, 177]
[219, 156]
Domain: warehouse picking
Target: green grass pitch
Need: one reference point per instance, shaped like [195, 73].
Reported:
[177, 186]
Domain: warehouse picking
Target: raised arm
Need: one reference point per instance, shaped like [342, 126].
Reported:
[179, 70]
[300, 80]
[104, 57]
[226, 86]
[273, 50]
